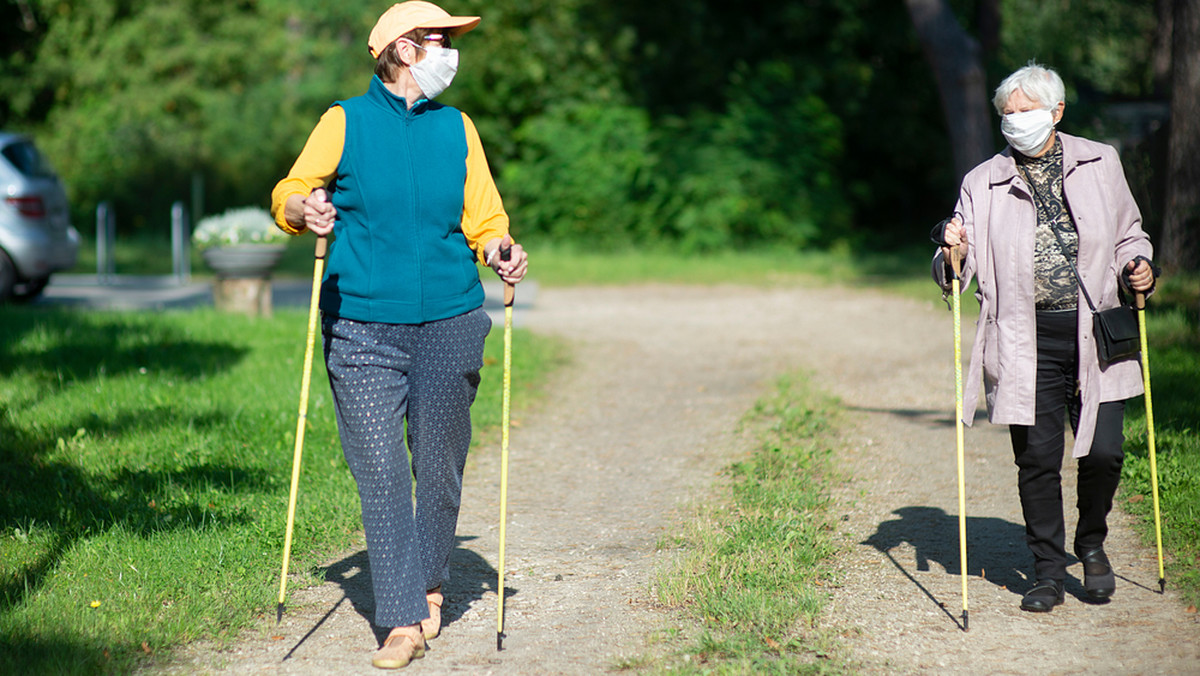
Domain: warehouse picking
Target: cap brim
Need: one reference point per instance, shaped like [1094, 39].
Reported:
[456, 25]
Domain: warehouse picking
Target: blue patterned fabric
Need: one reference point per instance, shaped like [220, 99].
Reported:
[383, 375]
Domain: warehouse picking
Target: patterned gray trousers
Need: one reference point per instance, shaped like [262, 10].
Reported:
[383, 377]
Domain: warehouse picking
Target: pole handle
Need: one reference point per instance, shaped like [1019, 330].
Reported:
[956, 261]
[322, 247]
[1139, 299]
[510, 290]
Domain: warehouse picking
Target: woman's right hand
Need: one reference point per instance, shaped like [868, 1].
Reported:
[319, 213]
[955, 235]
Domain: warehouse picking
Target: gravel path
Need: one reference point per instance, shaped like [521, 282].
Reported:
[638, 427]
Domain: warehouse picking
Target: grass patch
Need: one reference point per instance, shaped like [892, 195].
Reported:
[1174, 344]
[759, 267]
[145, 462]
[750, 571]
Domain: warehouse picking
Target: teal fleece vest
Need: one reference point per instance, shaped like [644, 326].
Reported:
[399, 255]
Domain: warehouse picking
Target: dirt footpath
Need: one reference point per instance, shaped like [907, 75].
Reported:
[640, 425]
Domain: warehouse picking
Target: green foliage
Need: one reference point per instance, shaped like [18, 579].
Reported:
[1110, 55]
[696, 125]
[578, 175]
[145, 464]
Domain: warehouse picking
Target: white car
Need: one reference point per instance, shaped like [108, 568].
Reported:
[36, 236]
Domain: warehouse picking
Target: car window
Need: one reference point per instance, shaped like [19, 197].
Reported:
[26, 158]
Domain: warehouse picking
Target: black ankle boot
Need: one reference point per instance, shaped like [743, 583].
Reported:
[1099, 581]
[1043, 597]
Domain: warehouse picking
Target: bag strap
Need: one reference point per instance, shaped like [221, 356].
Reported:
[1057, 237]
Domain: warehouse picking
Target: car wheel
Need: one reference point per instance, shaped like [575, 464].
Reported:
[30, 290]
[8, 276]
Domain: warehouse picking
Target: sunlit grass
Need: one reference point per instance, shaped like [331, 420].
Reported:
[145, 464]
[750, 571]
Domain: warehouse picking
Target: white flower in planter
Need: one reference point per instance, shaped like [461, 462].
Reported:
[244, 225]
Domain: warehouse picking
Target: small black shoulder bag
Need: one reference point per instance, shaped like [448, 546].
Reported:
[1115, 329]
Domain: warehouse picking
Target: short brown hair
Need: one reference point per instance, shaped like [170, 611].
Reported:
[389, 65]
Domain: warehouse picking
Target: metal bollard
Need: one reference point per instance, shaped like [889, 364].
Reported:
[180, 256]
[106, 229]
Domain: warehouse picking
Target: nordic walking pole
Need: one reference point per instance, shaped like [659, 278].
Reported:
[956, 264]
[1141, 308]
[510, 293]
[302, 418]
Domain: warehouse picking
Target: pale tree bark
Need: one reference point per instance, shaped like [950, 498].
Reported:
[962, 87]
[1180, 246]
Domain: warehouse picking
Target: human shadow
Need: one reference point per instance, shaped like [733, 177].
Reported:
[68, 501]
[471, 576]
[994, 547]
[933, 418]
[73, 347]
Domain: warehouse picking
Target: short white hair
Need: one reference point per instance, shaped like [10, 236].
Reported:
[1037, 82]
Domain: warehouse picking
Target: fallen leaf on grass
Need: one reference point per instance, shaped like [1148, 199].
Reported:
[1191, 609]
[277, 637]
[773, 644]
[145, 648]
[1137, 498]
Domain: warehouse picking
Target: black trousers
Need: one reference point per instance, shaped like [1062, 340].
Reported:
[1038, 450]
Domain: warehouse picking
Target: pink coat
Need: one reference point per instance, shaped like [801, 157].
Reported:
[997, 210]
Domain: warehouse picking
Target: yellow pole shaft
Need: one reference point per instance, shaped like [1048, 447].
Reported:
[302, 418]
[509, 292]
[1141, 306]
[958, 430]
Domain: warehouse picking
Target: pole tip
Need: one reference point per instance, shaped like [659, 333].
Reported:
[1162, 585]
[499, 641]
[966, 622]
[278, 614]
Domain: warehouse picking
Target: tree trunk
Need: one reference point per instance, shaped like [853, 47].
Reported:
[955, 58]
[987, 17]
[1180, 246]
[1161, 60]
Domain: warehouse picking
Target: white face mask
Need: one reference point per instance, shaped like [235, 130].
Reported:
[436, 71]
[1027, 132]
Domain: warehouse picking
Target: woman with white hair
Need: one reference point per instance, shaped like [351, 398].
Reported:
[1043, 226]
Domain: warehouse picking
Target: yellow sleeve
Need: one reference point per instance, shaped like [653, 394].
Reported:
[314, 168]
[484, 218]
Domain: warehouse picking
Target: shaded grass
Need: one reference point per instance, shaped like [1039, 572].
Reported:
[145, 462]
[750, 571]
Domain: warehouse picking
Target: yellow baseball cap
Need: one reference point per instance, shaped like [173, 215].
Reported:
[403, 17]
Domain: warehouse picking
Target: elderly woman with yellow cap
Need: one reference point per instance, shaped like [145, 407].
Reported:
[402, 183]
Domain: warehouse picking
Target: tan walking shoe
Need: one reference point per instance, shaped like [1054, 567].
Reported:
[402, 646]
[432, 626]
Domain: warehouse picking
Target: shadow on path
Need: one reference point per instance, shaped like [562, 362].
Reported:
[995, 548]
[472, 577]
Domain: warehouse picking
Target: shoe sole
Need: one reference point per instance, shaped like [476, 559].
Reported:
[1039, 608]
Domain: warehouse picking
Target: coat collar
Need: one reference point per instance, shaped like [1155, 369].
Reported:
[1076, 151]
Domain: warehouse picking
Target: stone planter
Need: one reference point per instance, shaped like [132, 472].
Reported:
[243, 276]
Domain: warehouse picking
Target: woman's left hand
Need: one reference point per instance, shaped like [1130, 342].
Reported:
[512, 270]
[1140, 275]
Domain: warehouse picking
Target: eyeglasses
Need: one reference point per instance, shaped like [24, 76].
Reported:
[437, 39]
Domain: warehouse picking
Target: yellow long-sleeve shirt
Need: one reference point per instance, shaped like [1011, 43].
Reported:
[483, 218]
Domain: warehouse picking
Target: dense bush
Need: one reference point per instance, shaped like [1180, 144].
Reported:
[697, 125]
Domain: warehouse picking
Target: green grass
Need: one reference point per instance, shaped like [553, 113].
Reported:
[145, 462]
[760, 267]
[750, 571]
[1174, 346]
